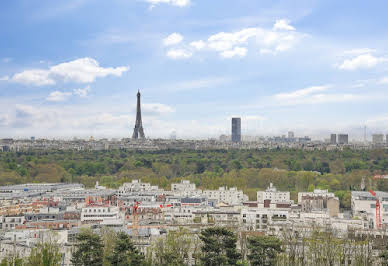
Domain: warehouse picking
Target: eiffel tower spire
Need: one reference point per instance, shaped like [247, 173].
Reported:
[138, 131]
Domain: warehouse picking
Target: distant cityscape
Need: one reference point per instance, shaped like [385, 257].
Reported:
[236, 140]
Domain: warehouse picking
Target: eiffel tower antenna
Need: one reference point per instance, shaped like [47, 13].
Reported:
[138, 132]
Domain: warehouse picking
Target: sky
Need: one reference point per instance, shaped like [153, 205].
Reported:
[72, 68]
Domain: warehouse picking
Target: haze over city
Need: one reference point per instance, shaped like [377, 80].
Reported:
[73, 68]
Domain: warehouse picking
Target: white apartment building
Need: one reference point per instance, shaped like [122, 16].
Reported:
[260, 218]
[231, 196]
[272, 194]
[317, 192]
[104, 215]
[185, 188]
[136, 186]
[364, 204]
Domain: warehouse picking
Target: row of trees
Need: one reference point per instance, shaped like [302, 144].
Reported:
[213, 246]
[249, 170]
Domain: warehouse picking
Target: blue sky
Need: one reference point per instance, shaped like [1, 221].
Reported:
[72, 68]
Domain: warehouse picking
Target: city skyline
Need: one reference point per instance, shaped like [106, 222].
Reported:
[198, 69]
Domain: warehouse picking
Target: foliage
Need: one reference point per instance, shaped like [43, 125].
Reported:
[250, 170]
[263, 250]
[173, 249]
[45, 254]
[219, 247]
[89, 249]
[124, 252]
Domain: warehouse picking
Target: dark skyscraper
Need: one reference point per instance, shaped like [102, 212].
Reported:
[138, 132]
[333, 139]
[236, 129]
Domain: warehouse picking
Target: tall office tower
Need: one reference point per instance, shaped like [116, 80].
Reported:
[236, 129]
[343, 139]
[291, 135]
[386, 139]
[138, 131]
[378, 138]
[333, 139]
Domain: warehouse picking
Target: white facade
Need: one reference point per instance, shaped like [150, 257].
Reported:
[185, 188]
[271, 193]
[261, 218]
[317, 192]
[105, 215]
[136, 186]
[230, 196]
[364, 204]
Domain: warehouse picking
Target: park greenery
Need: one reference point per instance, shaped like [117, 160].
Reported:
[294, 170]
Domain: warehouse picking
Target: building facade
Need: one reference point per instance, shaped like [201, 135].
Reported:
[236, 129]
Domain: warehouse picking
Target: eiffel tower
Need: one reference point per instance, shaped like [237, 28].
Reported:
[138, 132]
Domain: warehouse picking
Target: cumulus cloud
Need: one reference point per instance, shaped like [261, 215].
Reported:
[4, 78]
[58, 96]
[173, 39]
[178, 3]
[36, 77]
[283, 24]
[237, 51]
[198, 45]
[362, 61]
[82, 70]
[83, 92]
[179, 54]
[280, 38]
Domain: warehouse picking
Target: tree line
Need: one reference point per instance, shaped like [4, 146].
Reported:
[250, 170]
[213, 246]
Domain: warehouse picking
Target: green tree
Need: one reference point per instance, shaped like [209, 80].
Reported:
[173, 249]
[263, 250]
[219, 247]
[44, 254]
[89, 249]
[124, 252]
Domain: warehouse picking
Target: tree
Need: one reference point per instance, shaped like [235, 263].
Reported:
[45, 254]
[89, 250]
[263, 250]
[219, 247]
[173, 249]
[124, 252]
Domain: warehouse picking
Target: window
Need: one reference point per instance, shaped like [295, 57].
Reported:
[373, 206]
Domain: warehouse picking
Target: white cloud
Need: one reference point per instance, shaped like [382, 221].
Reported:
[4, 78]
[237, 51]
[85, 70]
[58, 96]
[36, 77]
[82, 92]
[179, 54]
[173, 39]
[280, 38]
[82, 70]
[199, 45]
[317, 95]
[179, 3]
[153, 109]
[283, 24]
[361, 62]
[359, 51]
[301, 93]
